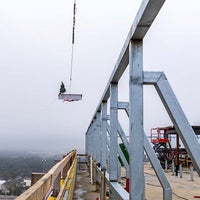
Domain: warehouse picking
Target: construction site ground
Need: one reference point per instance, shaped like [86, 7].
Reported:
[182, 188]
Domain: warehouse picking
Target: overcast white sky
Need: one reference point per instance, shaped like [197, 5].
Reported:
[35, 49]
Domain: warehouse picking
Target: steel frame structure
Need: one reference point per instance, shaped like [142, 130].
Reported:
[103, 131]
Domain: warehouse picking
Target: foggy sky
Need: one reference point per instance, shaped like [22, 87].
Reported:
[35, 50]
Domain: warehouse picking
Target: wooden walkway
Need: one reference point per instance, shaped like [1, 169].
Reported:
[83, 189]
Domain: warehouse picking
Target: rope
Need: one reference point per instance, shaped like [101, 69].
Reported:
[71, 69]
[72, 52]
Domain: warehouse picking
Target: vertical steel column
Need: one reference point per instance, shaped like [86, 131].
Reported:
[98, 137]
[113, 132]
[108, 147]
[87, 143]
[90, 141]
[91, 171]
[167, 191]
[94, 139]
[136, 132]
[104, 135]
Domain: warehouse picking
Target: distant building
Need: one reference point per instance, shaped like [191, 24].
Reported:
[1, 184]
[4, 189]
[27, 182]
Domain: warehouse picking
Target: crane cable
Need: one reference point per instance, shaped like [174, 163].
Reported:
[72, 51]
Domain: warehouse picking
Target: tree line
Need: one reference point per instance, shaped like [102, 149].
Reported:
[23, 166]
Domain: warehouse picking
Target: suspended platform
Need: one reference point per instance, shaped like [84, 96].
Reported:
[70, 97]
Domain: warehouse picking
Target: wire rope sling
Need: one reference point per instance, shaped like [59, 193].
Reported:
[63, 95]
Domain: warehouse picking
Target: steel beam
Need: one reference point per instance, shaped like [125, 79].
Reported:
[118, 192]
[136, 136]
[104, 135]
[143, 21]
[93, 140]
[179, 120]
[123, 136]
[167, 191]
[113, 132]
[123, 105]
[124, 161]
[98, 137]
[151, 78]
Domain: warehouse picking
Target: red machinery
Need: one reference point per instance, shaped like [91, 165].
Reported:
[162, 139]
[159, 135]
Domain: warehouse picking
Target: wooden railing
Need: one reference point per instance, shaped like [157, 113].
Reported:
[53, 185]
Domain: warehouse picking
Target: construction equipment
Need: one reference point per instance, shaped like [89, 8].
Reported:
[167, 146]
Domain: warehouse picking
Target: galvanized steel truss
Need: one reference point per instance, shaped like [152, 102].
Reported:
[102, 134]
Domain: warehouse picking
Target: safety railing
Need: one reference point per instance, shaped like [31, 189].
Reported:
[57, 183]
[104, 133]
